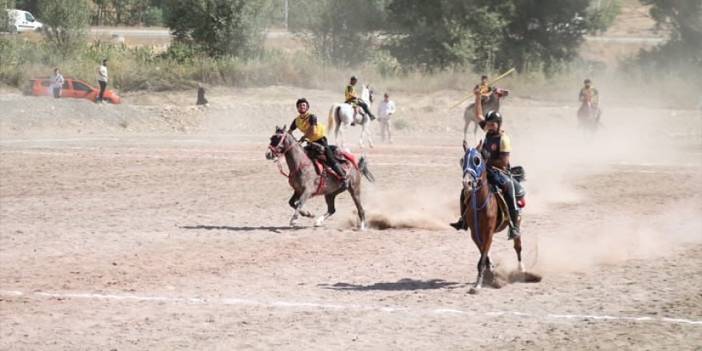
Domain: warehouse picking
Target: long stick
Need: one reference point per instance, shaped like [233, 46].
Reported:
[501, 76]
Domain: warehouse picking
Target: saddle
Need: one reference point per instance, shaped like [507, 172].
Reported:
[518, 175]
[316, 153]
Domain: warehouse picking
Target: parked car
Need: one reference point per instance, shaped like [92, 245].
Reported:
[22, 21]
[72, 88]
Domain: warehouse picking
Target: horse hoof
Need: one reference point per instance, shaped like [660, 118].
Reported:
[318, 222]
[363, 226]
[473, 291]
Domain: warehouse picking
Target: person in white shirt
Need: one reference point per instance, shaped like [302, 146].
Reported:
[385, 110]
[57, 83]
[102, 80]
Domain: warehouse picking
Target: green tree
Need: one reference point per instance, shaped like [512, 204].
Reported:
[219, 27]
[443, 33]
[682, 53]
[526, 34]
[339, 31]
[66, 23]
[4, 20]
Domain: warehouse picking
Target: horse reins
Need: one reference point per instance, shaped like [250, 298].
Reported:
[277, 154]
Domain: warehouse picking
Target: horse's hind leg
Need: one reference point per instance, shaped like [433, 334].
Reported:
[331, 209]
[518, 250]
[355, 191]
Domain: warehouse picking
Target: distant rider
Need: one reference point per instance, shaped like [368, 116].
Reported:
[351, 97]
[589, 95]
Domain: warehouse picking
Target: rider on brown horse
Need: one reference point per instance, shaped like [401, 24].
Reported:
[589, 95]
[315, 132]
[496, 150]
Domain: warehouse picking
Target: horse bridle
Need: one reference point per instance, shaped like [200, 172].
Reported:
[278, 150]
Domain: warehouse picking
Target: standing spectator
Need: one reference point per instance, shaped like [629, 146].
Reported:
[201, 100]
[102, 79]
[57, 83]
[385, 110]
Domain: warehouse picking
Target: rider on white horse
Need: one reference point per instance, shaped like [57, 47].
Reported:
[351, 97]
[315, 132]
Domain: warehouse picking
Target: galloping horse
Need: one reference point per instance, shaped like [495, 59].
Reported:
[342, 115]
[491, 104]
[307, 182]
[589, 115]
[483, 215]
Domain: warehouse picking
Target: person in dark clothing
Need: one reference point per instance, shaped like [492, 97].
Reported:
[201, 100]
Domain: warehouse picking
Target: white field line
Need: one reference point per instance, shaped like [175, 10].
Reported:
[312, 306]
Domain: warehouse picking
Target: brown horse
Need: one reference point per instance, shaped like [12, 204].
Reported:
[490, 103]
[589, 116]
[310, 178]
[483, 216]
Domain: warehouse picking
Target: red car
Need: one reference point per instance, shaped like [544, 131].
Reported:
[72, 88]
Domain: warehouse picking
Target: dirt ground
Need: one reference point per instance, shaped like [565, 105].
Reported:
[156, 225]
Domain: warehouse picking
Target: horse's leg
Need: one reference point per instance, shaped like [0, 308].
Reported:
[293, 203]
[331, 209]
[355, 191]
[365, 133]
[306, 194]
[518, 250]
[466, 125]
[482, 263]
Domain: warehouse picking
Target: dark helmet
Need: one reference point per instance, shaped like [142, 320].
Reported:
[493, 116]
[353, 78]
[301, 100]
[588, 81]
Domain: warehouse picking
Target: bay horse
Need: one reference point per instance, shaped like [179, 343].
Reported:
[341, 115]
[491, 103]
[310, 178]
[589, 115]
[484, 217]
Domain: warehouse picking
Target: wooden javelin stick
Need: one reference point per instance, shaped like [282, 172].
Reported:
[501, 76]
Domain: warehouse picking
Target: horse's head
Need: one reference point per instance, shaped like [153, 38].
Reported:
[500, 93]
[281, 142]
[473, 167]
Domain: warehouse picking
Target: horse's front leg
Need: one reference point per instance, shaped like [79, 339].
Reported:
[482, 264]
[302, 198]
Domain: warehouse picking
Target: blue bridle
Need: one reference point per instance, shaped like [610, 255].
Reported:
[474, 165]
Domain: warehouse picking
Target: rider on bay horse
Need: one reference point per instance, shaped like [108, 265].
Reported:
[315, 132]
[351, 97]
[588, 94]
[496, 149]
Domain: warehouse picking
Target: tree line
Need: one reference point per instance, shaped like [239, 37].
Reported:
[530, 35]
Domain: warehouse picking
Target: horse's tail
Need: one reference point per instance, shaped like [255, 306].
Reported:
[363, 167]
[332, 112]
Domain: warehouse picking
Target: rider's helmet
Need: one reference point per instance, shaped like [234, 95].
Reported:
[353, 78]
[493, 116]
[587, 81]
[301, 100]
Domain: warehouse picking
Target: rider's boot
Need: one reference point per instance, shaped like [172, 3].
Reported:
[461, 223]
[515, 219]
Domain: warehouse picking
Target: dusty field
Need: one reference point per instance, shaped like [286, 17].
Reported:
[159, 226]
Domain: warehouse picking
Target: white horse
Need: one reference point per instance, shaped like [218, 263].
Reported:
[342, 115]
